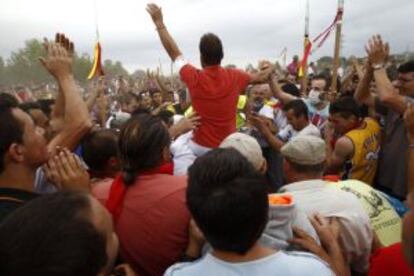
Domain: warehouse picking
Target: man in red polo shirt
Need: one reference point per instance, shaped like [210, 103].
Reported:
[214, 90]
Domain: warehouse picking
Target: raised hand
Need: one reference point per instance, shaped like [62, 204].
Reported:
[378, 51]
[59, 57]
[328, 230]
[66, 172]
[156, 15]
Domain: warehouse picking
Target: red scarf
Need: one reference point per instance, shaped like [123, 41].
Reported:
[118, 188]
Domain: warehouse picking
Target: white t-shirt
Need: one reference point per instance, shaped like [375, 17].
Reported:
[280, 263]
[289, 132]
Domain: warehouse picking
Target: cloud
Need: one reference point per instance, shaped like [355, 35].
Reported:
[250, 29]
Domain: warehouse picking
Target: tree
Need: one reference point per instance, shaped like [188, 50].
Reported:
[23, 66]
[114, 69]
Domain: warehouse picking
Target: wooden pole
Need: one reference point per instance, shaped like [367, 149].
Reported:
[337, 48]
[304, 79]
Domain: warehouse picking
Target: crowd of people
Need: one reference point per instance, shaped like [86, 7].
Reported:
[220, 172]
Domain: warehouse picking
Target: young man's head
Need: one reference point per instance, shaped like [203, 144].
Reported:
[21, 141]
[100, 152]
[291, 78]
[227, 198]
[405, 79]
[344, 115]
[156, 98]
[297, 114]
[295, 58]
[143, 145]
[145, 100]
[291, 89]
[129, 102]
[167, 117]
[211, 50]
[61, 234]
[304, 158]
[319, 87]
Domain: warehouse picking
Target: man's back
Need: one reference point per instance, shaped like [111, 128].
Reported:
[317, 196]
[363, 164]
[279, 263]
[214, 93]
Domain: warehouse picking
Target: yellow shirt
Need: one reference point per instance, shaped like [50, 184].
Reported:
[384, 219]
[366, 141]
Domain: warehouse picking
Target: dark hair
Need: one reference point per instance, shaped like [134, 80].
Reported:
[140, 110]
[11, 131]
[52, 235]
[46, 106]
[327, 80]
[407, 67]
[8, 100]
[211, 49]
[345, 107]
[227, 198]
[318, 168]
[98, 147]
[299, 108]
[166, 116]
[141, 143]
[291, 89]
[153, 91]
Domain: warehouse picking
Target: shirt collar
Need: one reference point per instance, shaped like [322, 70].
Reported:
[304, 185]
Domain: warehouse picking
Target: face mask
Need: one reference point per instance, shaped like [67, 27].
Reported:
[314, 97]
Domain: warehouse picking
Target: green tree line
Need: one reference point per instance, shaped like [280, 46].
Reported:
[23, 66]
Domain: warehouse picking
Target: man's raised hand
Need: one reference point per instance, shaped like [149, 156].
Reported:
[156, 15]
[59, 57]
[378, 51]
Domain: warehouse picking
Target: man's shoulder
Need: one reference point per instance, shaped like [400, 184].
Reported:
[188, 268]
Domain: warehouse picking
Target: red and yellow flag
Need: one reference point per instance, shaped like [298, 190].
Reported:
[97, 68]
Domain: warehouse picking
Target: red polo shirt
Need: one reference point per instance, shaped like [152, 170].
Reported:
[153, 223]
[214, 93]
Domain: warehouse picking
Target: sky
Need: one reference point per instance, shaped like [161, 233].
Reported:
[250, 29]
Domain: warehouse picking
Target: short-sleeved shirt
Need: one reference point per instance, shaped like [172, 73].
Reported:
[317, 117]
[214, 94]
[317, 196]
[153, 224]
[393, 153]
[11, 199]
[279, 263]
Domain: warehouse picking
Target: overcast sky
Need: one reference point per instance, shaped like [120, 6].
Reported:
[250, 29]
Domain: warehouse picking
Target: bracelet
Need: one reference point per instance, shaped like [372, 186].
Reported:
[161, 28]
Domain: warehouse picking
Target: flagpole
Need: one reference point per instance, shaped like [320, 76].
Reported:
[337, 48]
[305, 45]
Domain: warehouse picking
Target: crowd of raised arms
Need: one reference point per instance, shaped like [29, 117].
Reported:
[221, 171]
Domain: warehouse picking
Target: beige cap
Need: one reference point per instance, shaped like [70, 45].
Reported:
[305, 150]
[247, 146]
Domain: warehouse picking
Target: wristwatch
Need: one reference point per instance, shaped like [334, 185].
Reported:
[378, 66]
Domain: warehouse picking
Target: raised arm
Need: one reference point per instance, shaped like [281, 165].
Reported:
[76, 116]
[378, 53]
[339, 155]
[167, 41]
[362, 93]
[278, 93]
